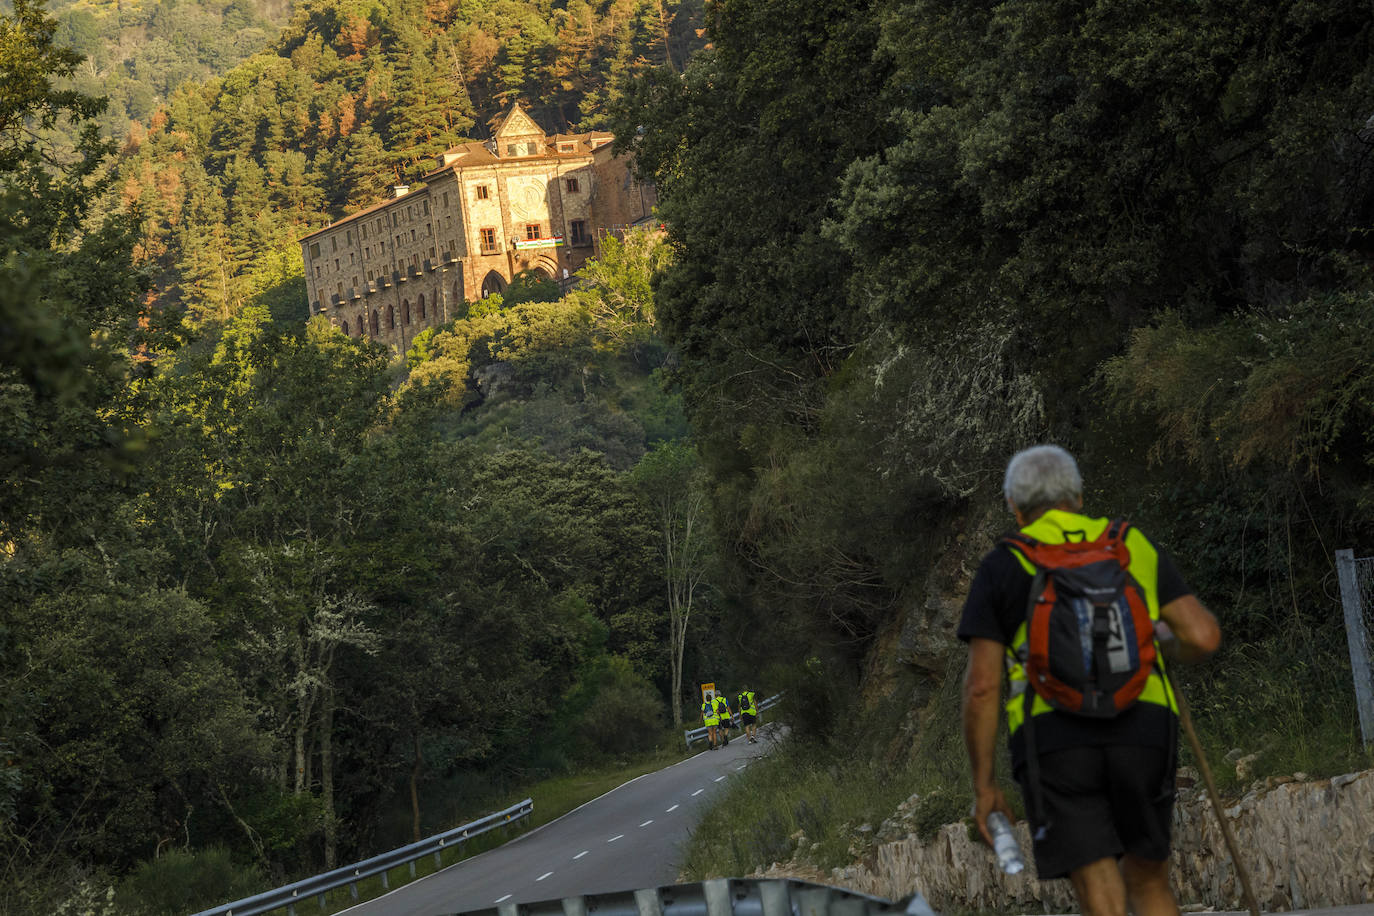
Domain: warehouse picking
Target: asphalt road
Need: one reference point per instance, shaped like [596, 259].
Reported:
[627, 839]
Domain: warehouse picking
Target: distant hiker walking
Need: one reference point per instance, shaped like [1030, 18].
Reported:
[723, 716]
[748, 714]
[709, 717]
[1069, 606]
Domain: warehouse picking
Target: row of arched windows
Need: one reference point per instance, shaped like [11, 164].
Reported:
[376, 321]
[423, 308]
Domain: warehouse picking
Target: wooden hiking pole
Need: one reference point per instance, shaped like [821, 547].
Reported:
[1187, 723]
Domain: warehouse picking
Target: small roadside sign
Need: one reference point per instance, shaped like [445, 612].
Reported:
[708, 692]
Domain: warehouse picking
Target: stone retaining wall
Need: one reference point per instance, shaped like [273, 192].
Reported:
[1307, 843]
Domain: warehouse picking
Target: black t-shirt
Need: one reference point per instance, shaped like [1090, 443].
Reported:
[996, 607]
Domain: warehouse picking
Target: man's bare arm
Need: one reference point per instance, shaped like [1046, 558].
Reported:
[982, 699]
[1193, 626]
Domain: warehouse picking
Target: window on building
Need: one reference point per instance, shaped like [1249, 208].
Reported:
[483, 192]
[565, 147]
[412, 235]
[345, 327]
[445, 198]
[431, 255]
[355, 281]
[396, 218]
[350, 257]
[314, 249]
[370, 276]
[422, 307]
[317, 271]
[391, 317]
[488, 240]
[350, 236]
[531, 230]
[405, 311]
[511, 149]
[336, 263]
[410, 212]
[334, 243]
[339, 290]
[363, 227]
[429, 228]
[573, 185]
[375, 321]
[425, 205]
[362, 328]
[577, 230]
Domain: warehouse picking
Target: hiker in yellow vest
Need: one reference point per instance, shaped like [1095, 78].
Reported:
[1099, 790]
[748, 714]
[709, 717]
[723, 717]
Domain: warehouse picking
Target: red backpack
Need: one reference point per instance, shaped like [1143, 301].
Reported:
[1089, 637]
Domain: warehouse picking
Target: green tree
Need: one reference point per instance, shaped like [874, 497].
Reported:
[669, 479]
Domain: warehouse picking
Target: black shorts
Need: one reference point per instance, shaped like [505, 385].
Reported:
[1100, 802]
[746, 719]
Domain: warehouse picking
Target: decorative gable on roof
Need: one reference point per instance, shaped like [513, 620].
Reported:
[517, 123]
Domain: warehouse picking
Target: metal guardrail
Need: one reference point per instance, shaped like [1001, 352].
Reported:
[719, 897]
[700, 734]
[349, 875]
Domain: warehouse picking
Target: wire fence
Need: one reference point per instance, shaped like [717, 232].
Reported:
[1356, 575]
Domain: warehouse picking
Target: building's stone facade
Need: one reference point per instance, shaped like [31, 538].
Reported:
[520, 201]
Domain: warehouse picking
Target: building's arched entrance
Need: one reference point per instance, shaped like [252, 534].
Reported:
[391, 317]
[423, 312]
[376, 322]
[405, 310]
[493, 282]
[345, 327]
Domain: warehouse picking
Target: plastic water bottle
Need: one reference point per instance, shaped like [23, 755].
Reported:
[1004, 844]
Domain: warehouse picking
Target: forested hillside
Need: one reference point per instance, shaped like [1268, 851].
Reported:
[912, 237]
[272, 599]
[138, 53]
[267, 591]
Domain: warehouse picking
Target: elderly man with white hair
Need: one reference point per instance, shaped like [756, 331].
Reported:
[1068, 608]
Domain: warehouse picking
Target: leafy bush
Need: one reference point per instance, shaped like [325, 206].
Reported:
[184, 881]
[625, 713]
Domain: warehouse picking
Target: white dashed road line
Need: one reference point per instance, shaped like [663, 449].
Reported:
[505, 898]
[543, 876]
[647, 823]
[719, 778]
[697, 792]
[581, 854]
[671, 810]
[616, 837]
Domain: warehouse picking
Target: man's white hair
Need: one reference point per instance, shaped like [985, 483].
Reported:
[1042, 477]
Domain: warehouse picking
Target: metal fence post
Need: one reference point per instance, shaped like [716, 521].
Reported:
[1356, 634]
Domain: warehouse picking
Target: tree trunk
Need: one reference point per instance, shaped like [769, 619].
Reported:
[331, 824]
[415, 789]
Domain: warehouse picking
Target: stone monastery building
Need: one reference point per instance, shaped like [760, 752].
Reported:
[519, 201]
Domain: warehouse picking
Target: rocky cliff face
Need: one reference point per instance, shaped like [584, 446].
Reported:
[1307, 843]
